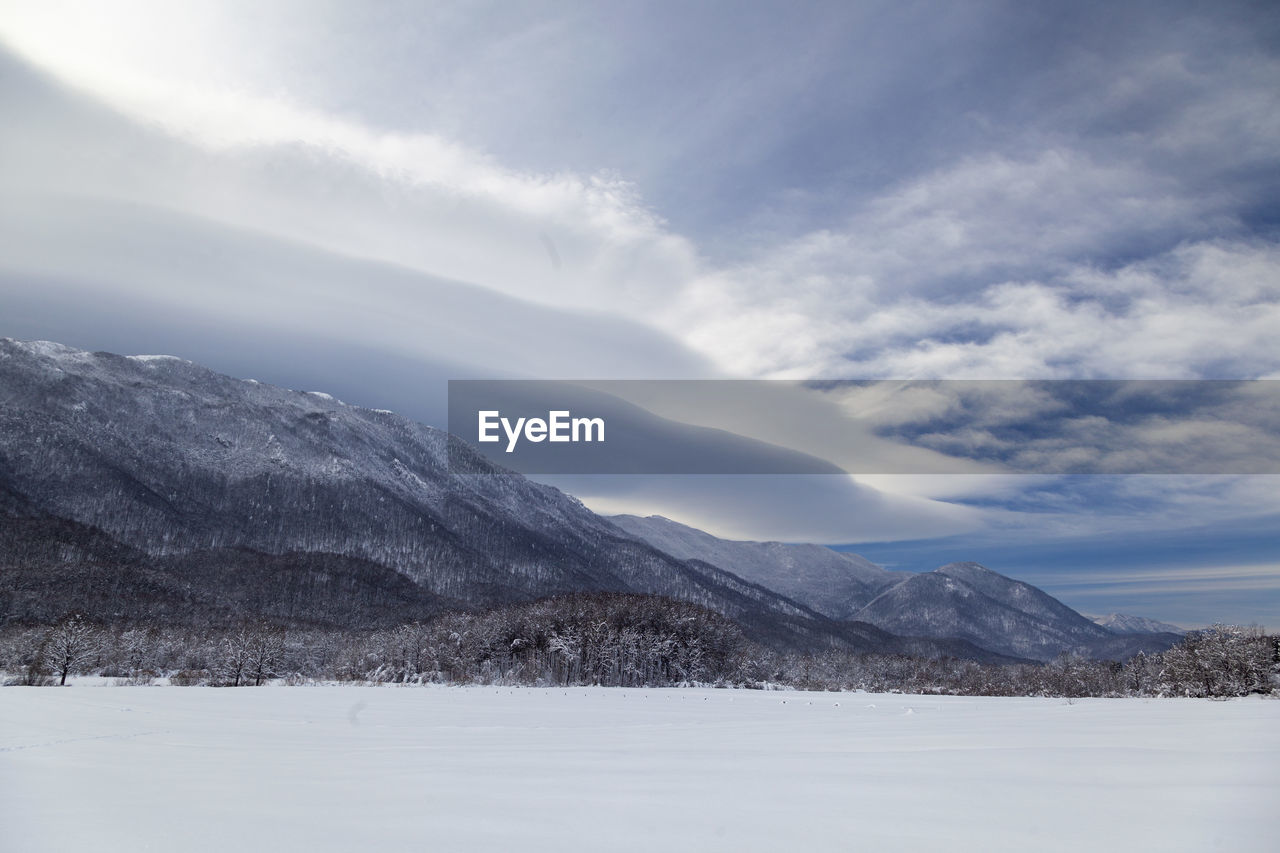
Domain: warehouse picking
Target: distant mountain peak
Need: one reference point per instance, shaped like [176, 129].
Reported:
[45, 348]
[148, 359]
[1124, 623]
[965, 567]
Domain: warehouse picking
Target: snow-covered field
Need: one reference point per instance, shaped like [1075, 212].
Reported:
[457, 769]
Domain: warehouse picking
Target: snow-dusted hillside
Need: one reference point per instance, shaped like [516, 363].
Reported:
[150, 488]
[833, 583]
[482, 769]
[963, 601]
[146, 486]
[969, 601]
[1123, 623]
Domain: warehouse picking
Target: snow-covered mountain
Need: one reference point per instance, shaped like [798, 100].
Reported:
[1123, 623]
[151, 487]
[833, 583]
[958, 601]
[969, 601]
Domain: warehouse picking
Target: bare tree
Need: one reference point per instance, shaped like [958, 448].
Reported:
[71, 643]
[250, 653]
[233, 653]
[265, 650]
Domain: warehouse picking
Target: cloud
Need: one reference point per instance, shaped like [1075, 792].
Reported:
[791, 508]
[1200, 310]
[1107, 506]
[1080, 426]
[1261, 575]
[1006, 269]
[1195, 595]
[142, 277]
[878, 191]
[258, 161]
[1091, 229]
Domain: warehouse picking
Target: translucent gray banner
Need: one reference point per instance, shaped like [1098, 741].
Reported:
[868, 427]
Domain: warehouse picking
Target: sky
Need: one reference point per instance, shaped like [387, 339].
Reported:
[373, 198]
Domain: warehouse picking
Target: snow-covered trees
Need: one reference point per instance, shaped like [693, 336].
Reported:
[1223, 660]
[249, 654]
[610, 639]
[70, 644]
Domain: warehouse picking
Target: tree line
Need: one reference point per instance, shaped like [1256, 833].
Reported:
[603, 639]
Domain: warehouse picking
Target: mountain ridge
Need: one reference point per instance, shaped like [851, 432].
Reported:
[150, 485]
[833, 583]
[1126, 623]
[170, 465]
[957, 601]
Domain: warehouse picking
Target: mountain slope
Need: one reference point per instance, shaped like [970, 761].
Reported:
[1022, 597]
[830, 582]
[969, 601]
[958, 602]
[220, 495]
[149, 488]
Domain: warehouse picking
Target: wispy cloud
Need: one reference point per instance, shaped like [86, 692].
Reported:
[267, 162]
[1190, 596]
[1180, 579]
[936, 292]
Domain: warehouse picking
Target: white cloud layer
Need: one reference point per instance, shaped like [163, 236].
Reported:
[934, 282]
[271, 164]
[1111, 237]
[1049, 260]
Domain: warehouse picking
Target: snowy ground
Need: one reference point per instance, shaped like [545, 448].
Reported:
[457, 769]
